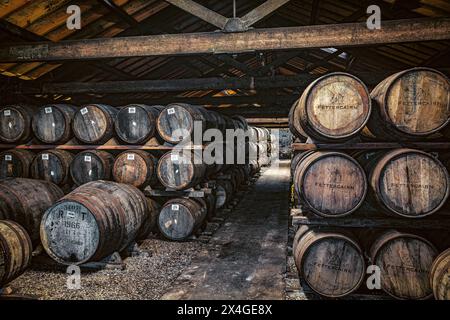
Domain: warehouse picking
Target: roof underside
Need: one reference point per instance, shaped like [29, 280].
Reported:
[46, 20]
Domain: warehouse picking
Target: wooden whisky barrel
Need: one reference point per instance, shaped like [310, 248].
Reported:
[25, 201]
[440, 276]
[52, 124]
[15, 123]
[135, 167]
[93, 221]
[181, 217]
[331, 262]
[405, 261]
[91, 165]
[53, 166]
[411, 104]
[136, 123]
[178, 170]
[94, 123]
[176, 121]
[330, 184]
[15, 163]
[15, 251]
[224, 193]
[406, 182]
[334, 107]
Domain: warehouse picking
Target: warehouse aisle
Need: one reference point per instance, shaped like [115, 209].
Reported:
[246, 258]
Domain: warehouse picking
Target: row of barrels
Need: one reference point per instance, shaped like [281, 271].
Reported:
[401, 182]
[93, 221]
[176, 170]
[98, 123]
[410, 105]
[406, 266]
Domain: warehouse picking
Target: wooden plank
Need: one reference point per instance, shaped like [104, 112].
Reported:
[370, 145]
[336, 35]
[262, 11]
[201, 12]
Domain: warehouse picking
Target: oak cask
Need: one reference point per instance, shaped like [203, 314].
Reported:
[91, 165]
[15, 163]
[331, 262]
[93, 221]
[135, 167]
[94, 123]
[334, 107]
[52, 124]
[440, 276]
[53, 166]
[25, 201]
[15, 251]
[15, 123]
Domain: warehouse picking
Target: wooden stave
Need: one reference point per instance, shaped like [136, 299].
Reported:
[25, 201]
[150, 223]
[150, 163]
[197, 176]
[309, 159]
[151, 112]
[118, 225]
[106, 160]
[380, 125]
[108, 112]
[13, 238]
[312, 235]
[384, 238]
[24, 159]
[67, 112]
[373, 167]
[65, 159]
[25, 112]
[303, 129]
[438, 275]
[195, 208]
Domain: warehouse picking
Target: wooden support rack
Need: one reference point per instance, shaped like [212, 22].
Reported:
[191, 193]
[370, 146]
[439, 221]
[96, 147]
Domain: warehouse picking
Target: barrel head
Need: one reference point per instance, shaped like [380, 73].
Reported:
[12, 124]
[134, 124]
[175, 170]
[48, 167]
[69, 233]
[90, 124]
[176, 222]
[11, 165]
[86, 167]
[175, 124]
[49, 124]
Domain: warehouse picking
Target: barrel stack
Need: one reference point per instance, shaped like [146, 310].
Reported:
[349, 177]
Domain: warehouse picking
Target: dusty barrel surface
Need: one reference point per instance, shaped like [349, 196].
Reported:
[331, 184]
[15, 251]
[15, 163]
[93, 221]
[410, 104]
[150, 222]
[181, 217]
[136, 123]
[440, 276]
[94, 123]
[25, 201]
[407, 182]
[52, 124]
[224, 193]
[91, 165]
[331, 262]
[53, 166]
[137, 168]
[176, 121]
[179, 170]
[334, 107]
[15, 123]
[405, 262]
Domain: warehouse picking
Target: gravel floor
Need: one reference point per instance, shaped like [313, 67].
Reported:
[146, 276]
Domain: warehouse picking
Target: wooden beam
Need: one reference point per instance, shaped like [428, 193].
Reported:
[314, 12]
[119, 12]
[262, 11]
[146, 86]
[338, 35]
[201, 12]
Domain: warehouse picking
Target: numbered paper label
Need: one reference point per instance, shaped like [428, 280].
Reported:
[45, 156]
[84, 111]
[132, 110]
[175, 207]
[87, 158]
[48, 110]
[171, 111]
[174, 157]
[8, 157]
[7, 113]
[130, 156]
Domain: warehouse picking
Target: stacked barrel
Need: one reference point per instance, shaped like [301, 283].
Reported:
[337, 181]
